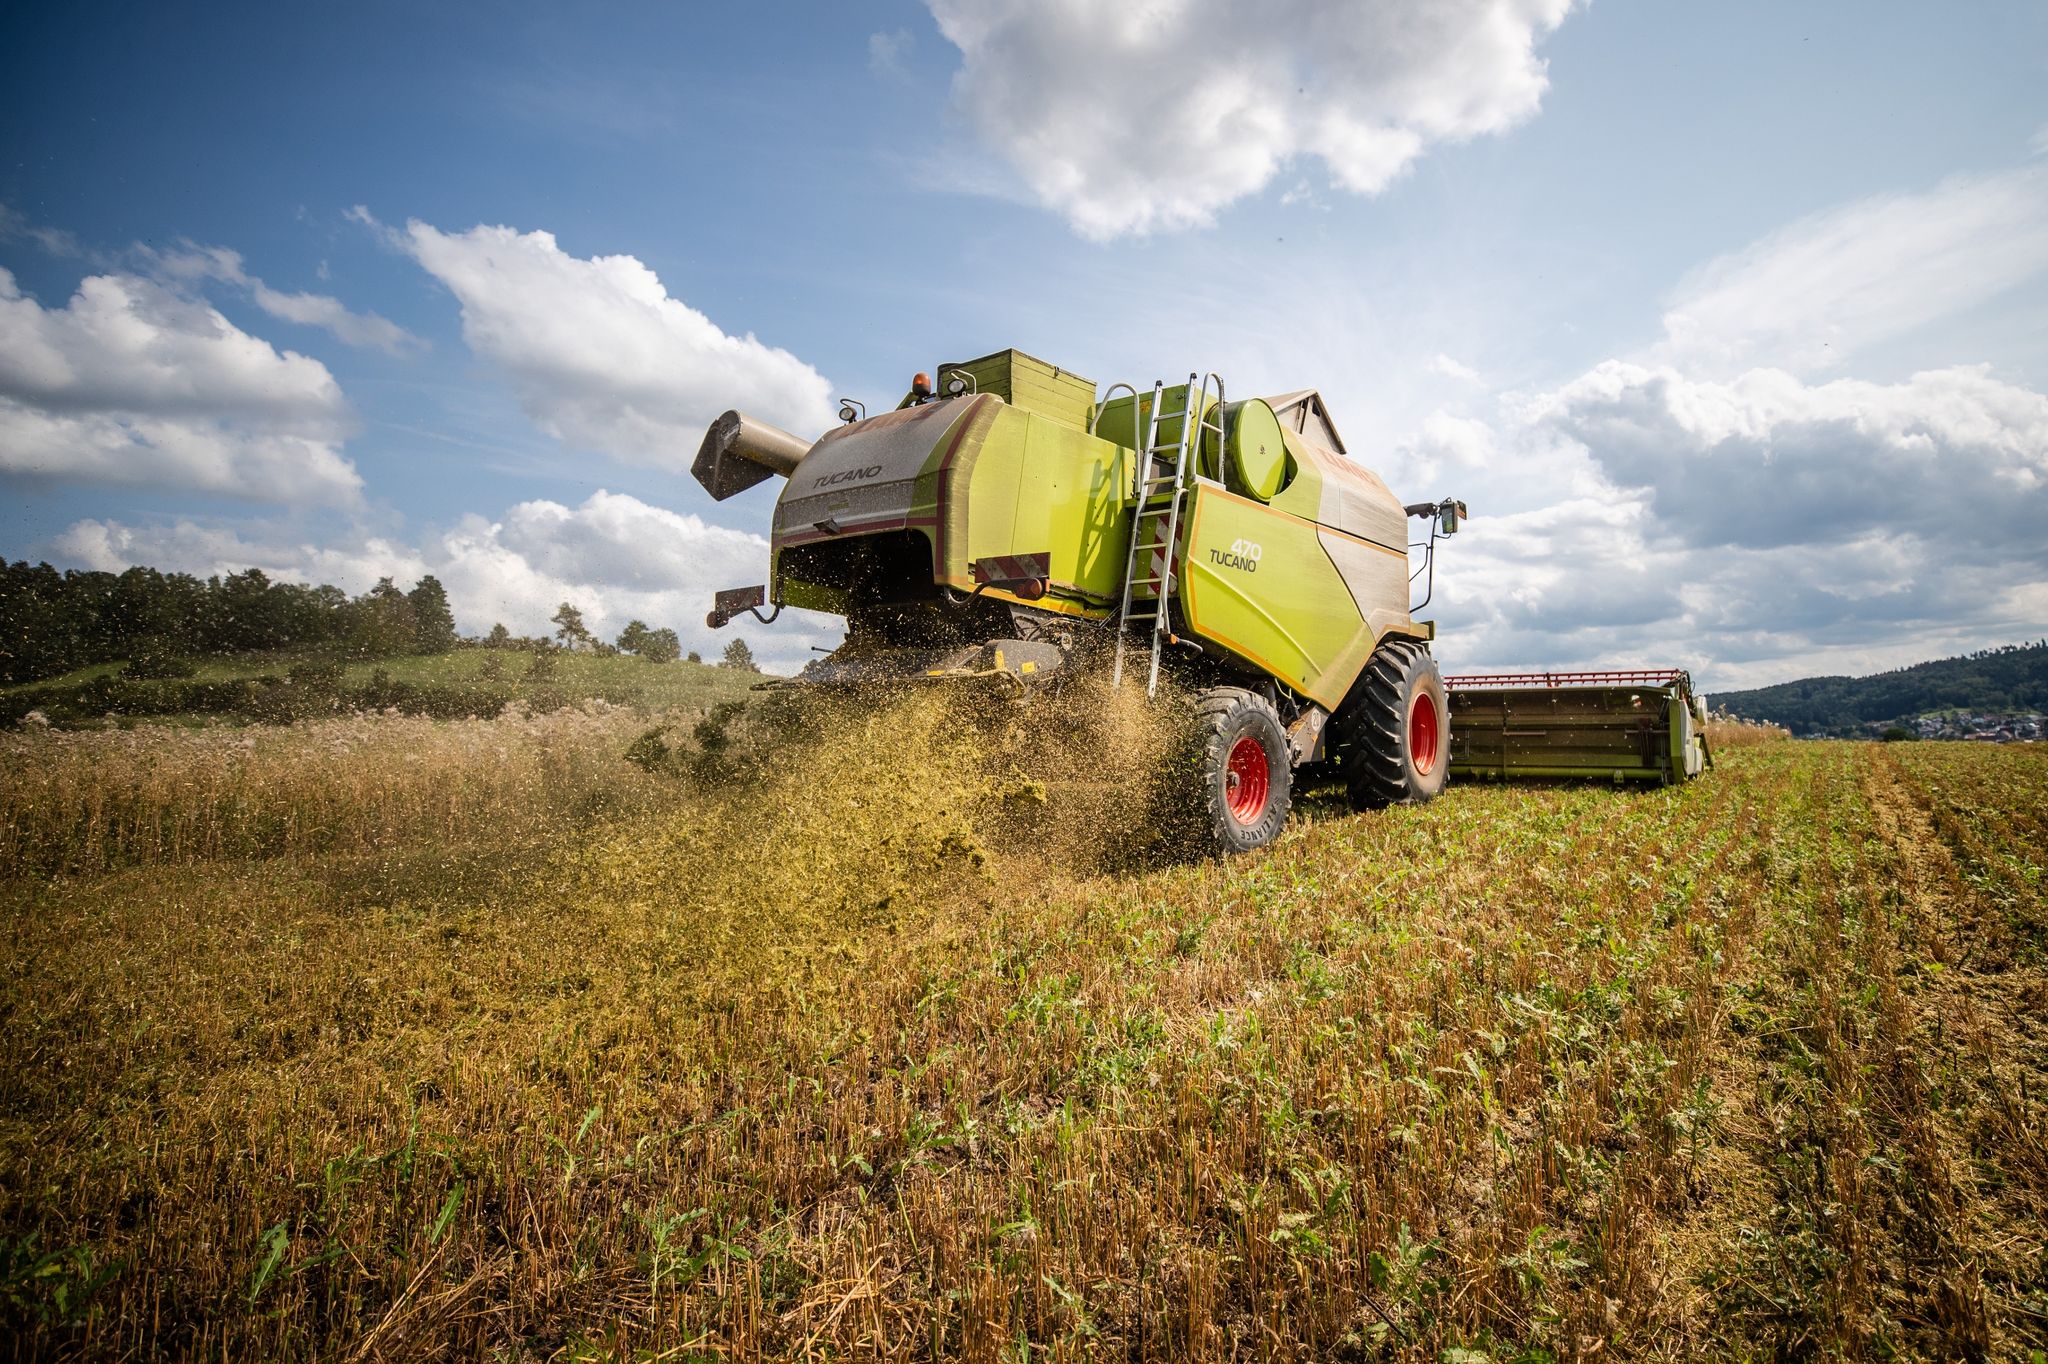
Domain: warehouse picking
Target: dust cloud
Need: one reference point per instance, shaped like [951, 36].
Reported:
[816, 823]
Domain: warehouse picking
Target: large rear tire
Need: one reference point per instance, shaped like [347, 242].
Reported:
[1394, 733]
[1244, 771]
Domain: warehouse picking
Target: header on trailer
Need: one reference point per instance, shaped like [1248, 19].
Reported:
[1638, 724]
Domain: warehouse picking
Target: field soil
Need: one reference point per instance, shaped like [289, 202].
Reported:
[886, 1034]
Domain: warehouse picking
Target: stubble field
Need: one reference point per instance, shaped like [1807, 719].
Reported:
[869, 1038]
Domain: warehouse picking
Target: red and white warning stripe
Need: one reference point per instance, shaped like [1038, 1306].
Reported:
[1158, 563]
[1005, 569]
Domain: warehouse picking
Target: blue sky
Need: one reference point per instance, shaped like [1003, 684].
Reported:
[1729, 322]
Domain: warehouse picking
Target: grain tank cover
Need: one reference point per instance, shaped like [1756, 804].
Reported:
[1027, 382]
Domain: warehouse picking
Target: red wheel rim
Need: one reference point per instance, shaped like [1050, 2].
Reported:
[1424, 730]
[1246, 780]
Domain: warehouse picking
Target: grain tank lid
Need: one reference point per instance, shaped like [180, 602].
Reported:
[1304, 413]
[1027, 382]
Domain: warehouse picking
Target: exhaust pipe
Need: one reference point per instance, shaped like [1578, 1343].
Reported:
[740, 451]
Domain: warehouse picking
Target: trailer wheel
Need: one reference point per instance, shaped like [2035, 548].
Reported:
[1244, 770]
[1394, 733]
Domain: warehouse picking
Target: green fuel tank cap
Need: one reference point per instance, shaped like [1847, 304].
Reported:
[1254, 448]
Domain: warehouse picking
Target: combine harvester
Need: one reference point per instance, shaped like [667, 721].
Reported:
[1009, 522]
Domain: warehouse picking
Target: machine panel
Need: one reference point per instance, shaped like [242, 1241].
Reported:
[1311, 637]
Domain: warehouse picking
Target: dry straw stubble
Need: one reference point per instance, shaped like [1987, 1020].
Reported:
[1554, 1070]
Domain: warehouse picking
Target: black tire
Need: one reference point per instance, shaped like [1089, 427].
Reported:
[1042, 627]
[1081, 641]
[1394, 732]
[1243, 771]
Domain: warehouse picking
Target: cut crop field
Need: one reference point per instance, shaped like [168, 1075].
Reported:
[392, 1038]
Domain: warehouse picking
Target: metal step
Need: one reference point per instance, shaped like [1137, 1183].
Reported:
[1157, 496]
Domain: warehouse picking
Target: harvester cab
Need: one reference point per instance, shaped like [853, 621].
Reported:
[1008, 522]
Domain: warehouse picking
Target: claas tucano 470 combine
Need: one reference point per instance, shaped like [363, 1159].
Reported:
[1007, 522]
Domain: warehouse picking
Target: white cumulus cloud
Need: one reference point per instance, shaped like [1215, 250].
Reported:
[1810, 295]
[189, 263]
[615, 556]
[1754, 529]
[598, 352]
[1453, 441]
[1728, 499]
[1449, 368]
[203, 550]
[1140, 117]
[131, 384]
[330, 314]
[1767, 460]
[887, 50]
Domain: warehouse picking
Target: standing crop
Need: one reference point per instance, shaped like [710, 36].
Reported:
[863, 1048]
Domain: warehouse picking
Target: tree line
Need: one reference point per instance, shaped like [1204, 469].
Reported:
[2008, 680]
[52, 622]
[638, 638]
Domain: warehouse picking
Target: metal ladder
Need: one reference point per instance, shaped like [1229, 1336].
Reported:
[1158, 498]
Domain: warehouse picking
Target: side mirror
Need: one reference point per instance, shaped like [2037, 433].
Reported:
[1448, 514]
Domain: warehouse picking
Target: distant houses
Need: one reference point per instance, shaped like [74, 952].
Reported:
[1990, 728]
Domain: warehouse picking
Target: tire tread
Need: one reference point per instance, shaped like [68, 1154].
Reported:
[1215, 711]
[1371, 746]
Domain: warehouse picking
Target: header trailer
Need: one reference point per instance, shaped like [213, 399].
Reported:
[1640, 724]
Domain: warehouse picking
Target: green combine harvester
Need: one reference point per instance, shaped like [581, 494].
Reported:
[1009, 522]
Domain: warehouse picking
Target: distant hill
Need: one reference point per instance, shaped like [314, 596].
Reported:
[2006, 681]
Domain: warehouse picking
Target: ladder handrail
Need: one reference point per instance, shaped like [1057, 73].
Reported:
[1194, 420]
[1217, 425]
[1096, 420]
